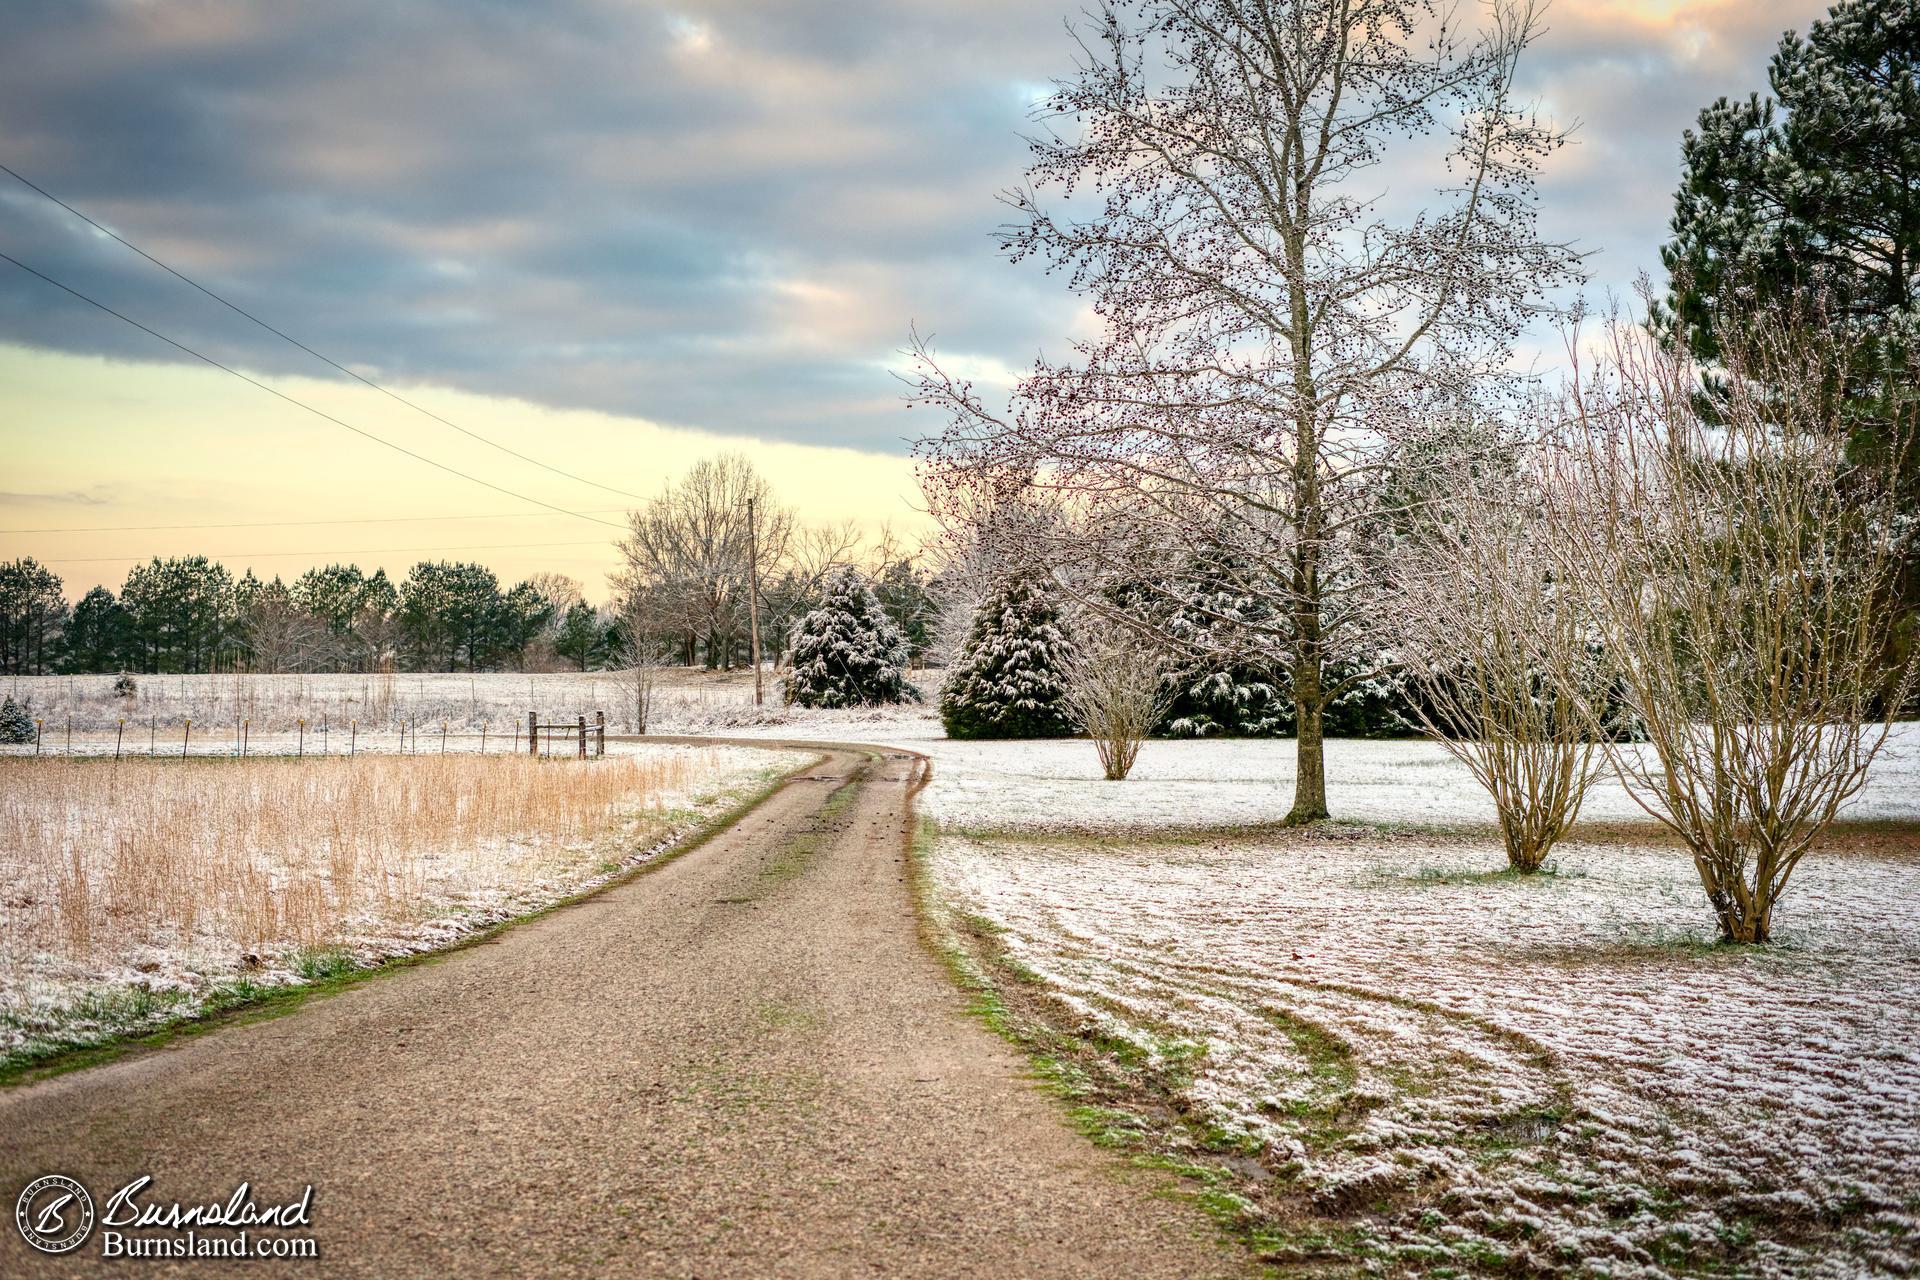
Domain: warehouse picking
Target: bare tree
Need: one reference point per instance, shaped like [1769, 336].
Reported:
[1504, 667]
[1271, 325]
[1741, 569]
[687, 554]
[812, 553]
[281, 636]
[1116, 687]
[635, 656]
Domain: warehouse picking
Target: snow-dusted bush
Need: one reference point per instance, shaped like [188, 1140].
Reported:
[1008, 680]
[125, 686]
[16, 726]
[848, 652]
[1738, 566]
[1504, 658]
[1117, 690]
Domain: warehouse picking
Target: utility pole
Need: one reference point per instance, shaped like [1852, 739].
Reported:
[753, 603]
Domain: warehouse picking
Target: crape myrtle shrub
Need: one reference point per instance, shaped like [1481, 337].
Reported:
[1007, 681]
[849, 652]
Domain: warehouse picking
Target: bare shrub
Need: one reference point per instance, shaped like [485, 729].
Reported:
[1502, 663]
[1740, 568]
[636, 654]
[1116, 688]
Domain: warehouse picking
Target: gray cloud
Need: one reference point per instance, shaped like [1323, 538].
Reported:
[722, 215]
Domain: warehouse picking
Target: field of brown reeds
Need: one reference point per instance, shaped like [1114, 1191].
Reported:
[100, 859]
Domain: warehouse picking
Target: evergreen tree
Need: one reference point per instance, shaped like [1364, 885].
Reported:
[582, 638]
[906, 593]
[449, 610]
[32, 611]
[97, 637]
[16, 726]
[1007, 681]
[182, 614]
[1811, 196]
[1241, 695]
[848, 652]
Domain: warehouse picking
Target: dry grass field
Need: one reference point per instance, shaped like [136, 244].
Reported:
[137, 887]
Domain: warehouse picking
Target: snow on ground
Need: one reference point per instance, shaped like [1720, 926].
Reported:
[1030, 785]
[1223, 782]
[1556, 1069]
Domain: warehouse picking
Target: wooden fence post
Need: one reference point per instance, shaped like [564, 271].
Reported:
[533, 733]
[600, 730]
[583, 737]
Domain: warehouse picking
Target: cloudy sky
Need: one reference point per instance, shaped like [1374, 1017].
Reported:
[612, 236]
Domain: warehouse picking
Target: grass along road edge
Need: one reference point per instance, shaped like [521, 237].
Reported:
[139, 1021]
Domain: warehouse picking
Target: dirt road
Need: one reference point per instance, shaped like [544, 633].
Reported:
[744, 1063]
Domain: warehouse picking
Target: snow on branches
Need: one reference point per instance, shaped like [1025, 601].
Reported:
[848, 652]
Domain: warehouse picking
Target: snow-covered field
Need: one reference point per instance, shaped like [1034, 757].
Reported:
[1216, 783]
[1557, 1072]
[380, 704]
[1439, 1066]
[134, 894]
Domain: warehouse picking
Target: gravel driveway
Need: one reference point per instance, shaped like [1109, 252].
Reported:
[744, 1063]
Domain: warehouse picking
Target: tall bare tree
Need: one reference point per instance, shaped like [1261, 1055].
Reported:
[1741, 569]
[687, 553]
[1272, 321]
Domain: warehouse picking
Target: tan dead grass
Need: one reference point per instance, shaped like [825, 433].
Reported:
[98, 858]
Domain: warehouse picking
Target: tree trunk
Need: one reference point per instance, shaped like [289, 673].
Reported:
[1310, 767]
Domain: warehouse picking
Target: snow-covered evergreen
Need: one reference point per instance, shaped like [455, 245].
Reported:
[1237, 684]
[1007, 681]
[16, 726]
[848, 652]
[1230, 688]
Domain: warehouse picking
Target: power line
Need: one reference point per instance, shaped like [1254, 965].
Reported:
[363, 551]
[240, 311]
[289, 524]
[321, 413]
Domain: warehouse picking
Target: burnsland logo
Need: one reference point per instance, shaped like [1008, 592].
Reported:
[55, 1215]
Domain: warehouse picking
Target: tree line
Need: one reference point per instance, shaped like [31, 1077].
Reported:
[191, 614]
[693, 555]
[688, 564]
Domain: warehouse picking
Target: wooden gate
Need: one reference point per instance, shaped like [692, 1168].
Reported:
[595, 733]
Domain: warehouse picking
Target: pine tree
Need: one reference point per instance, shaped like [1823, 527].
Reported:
[1241, 695]
[16, 726]
[1007, 680]
[848, 652]
[1811, 196]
